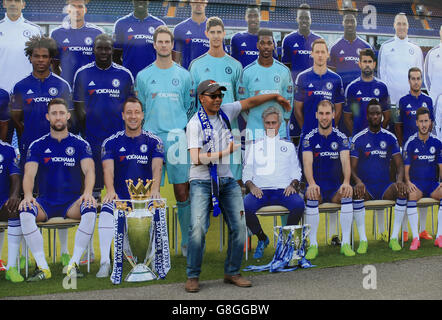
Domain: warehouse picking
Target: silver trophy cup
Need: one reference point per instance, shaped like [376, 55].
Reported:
[299, 235]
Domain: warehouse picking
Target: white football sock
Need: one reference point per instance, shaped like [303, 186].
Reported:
[399, 213]
[34, 239]
[413, 217]
[106, 235]
[312, 218]
[14, 238]
[346, 219]
[405, 222]
[83, 235]
[359, 214]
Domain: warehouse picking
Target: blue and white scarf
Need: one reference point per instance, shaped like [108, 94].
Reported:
[208, 139]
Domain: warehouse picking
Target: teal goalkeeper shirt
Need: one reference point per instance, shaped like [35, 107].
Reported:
[167, 97]
[225, 70]
[256, 80]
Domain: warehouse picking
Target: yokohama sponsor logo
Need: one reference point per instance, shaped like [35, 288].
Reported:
[302, 52]
[38, 100]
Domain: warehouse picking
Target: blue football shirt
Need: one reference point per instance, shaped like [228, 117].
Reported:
[344, 56]
[243, 47]
[408, 106]
[311, 88]
[135, 38]
[59, 174]
[132, 158]
[75, 47]
[4, 105]
[358, 94]
[374, 152]
[327, 167]
[31, 95]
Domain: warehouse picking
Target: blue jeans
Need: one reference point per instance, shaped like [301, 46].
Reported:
[231, 205]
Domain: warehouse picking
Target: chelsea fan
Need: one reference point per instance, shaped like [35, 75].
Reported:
[296, 55]
[422, 159]
[133, 36]
[190, 38]
[243, 45]
[75, 40]
[57, 162]
[361, 91]
[312, 86]
[166, 92]
[372, 151]
[265, 75]
[210, 142]
[216, 64]
[326, 165]
[272, 174]
[10, 187]
[129, 154]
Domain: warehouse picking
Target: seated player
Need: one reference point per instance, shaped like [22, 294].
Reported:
[422, 159]
[60, 158]
[372, 149]
[9, 201]
[326, 159]
[128, 154]
[272, 173]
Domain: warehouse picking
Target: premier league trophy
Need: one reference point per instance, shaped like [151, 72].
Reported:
[294, 237]
[144, 233]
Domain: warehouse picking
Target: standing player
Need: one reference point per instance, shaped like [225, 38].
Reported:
[75, 41]
[344, 54]
[422, 159]
[60, 159]
[165, 90]
[396, 56]
[243, 45]
[313, 85]
[9, 201]
[372, 150]
[433, 70]
[15, 31]
[32, 94]
[100, 88]
[190, 38]
[129, 154]
[216, 64]
[405, 127]
[265, 75]
[326, 159]
[133, 36]
[361, 91]
[296, 54]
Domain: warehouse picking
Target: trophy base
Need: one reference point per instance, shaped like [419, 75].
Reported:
[140, 273]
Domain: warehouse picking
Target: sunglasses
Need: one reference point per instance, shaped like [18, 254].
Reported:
[214, 96]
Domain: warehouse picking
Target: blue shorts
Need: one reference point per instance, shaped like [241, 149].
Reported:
[426, 187]
[55, 210]
[177, 158]
[328, 190]
[377, 190]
